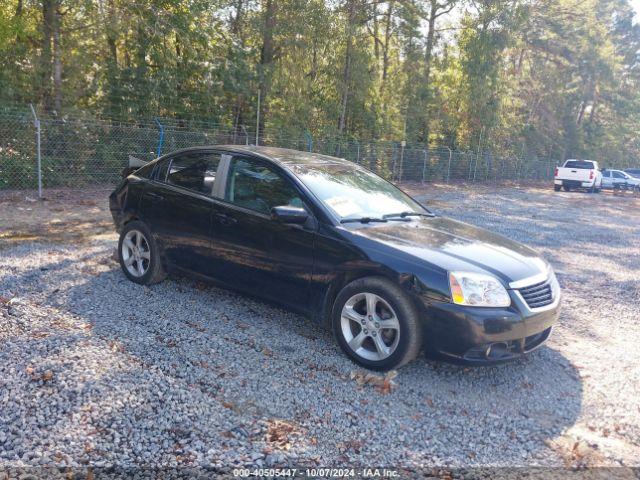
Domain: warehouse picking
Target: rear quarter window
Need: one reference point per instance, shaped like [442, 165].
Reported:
[145, 171]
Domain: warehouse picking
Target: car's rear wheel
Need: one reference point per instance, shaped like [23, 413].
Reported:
[376, 324]
[557, 188]
[139, 254]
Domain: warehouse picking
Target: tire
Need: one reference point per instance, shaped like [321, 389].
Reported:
[556, 188]
[566, 188]
[351, 320]
[592, 189]
[139, 254]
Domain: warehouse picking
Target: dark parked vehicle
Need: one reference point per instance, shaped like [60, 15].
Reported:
[634, 172]
[330, 239]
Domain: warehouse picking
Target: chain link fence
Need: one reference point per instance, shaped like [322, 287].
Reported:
[77, 152]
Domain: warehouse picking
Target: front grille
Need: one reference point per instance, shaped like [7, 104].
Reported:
[538, 295]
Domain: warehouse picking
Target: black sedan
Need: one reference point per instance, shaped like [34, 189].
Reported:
[331, 240]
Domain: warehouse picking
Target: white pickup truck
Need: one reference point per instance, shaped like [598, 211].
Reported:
[578, 174]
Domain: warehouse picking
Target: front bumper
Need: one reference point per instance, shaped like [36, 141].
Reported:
[485, 336]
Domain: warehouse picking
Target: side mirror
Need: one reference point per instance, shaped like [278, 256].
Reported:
[287, 214]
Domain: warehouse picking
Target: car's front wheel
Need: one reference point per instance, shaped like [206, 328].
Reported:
[139, 254]
[376, 324]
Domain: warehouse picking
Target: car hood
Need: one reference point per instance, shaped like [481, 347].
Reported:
[457, 246]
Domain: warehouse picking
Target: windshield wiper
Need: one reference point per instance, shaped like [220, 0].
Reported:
[363, 220]
[408, 214]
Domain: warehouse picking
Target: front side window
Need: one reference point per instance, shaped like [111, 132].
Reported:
[195, 171]
[256, 186]
[618, 175]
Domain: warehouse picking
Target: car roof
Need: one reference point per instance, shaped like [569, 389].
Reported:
[285, 156]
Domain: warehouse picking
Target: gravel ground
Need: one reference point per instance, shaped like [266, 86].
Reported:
[96, 370]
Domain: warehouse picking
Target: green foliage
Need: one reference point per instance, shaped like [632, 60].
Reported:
[537, 78]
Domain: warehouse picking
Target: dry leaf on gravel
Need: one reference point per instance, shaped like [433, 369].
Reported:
[281, 433]
[576, 453]
[384, 384]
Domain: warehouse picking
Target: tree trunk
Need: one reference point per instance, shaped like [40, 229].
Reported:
[142, 98]
[57, 62]
[385, 51]
[428, 54]
[267, 54]
[48, 14]
[346, 72]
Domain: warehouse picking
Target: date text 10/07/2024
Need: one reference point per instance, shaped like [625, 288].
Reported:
[317, 472]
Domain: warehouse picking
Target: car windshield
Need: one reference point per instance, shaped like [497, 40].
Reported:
[353, 192]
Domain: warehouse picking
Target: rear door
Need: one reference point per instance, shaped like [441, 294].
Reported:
[253, 252]
[177, 206]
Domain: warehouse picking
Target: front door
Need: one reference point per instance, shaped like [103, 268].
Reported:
[177, 207]
[253, 252]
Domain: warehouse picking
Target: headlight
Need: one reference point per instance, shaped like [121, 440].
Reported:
[478, 290]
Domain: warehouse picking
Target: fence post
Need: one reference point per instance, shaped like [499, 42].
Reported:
[402, 145]
[36, 123]
[309, 141]
[161, 139]
[424, 165]
[246, 134]
[357, 152]
[449, 166]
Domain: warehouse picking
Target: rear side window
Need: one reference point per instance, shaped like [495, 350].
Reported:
[145, 171]
[579, 164]
[195, 171]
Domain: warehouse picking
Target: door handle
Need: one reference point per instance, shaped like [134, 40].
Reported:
[225, 219]
[155, 196]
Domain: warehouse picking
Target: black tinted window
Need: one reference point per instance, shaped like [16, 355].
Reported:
[195, 171]
[579, 164]
[256, 186]
[161, 169]
[145, 171]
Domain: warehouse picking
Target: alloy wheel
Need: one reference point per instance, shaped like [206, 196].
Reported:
[370, 326]
[136, 253]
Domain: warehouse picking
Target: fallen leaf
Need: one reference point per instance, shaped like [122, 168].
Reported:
[47, 376]
[281, 433]
[384, 384]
